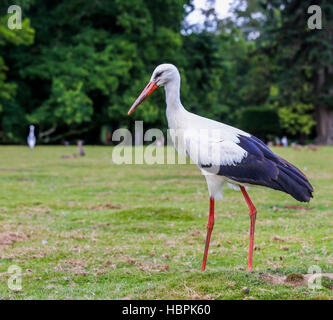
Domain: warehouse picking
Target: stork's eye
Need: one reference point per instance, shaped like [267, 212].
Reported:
[158, 74]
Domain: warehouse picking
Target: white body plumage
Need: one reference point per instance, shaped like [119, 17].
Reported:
[205, 141]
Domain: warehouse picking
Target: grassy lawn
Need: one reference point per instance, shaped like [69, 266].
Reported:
[85, 228]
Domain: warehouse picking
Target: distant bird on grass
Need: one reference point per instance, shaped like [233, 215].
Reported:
[31, 137]
[313, 147]
[68, 156]
[80, 148]
[296, 146]
[80, 152]
[232, 156]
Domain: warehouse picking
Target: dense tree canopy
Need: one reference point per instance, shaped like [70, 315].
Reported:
[76, 66]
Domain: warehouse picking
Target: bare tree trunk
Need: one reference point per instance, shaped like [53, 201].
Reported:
[324, 125]
[324, 115]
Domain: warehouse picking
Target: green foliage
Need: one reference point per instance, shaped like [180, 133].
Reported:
[297, 118]
[7, 90]
[98, 59]
[300, 60]
[261, 121]
[12, 115]
[65, 106]
[24, 36]
[84, 62]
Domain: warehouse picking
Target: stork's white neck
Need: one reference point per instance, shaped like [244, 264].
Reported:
[172, 94]
[174, 105]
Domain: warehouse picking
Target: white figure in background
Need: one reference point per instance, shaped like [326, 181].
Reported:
[31, 137]
[160, 142]
[284, 141]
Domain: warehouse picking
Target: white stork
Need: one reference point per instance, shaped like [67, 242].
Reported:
[31, 137]
[231, 155]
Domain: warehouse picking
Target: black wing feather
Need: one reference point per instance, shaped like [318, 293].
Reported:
[262, 167]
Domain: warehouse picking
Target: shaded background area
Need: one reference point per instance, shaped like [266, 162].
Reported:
[76, 66]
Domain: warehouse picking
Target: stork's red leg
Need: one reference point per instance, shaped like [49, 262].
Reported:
[210, 226]
[253, 214]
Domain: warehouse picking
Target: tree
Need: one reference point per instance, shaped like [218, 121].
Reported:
[303, 57]
[91, 59]
[308, 54]
[10, 112]
[296, 119]
[261, 121]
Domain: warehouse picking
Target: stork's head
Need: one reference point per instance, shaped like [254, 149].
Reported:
[162, 75]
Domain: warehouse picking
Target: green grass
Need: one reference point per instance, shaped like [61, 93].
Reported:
[138, 231]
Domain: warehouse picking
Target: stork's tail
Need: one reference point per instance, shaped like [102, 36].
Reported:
[292, 181]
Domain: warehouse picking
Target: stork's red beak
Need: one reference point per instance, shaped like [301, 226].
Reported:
[151, 86]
